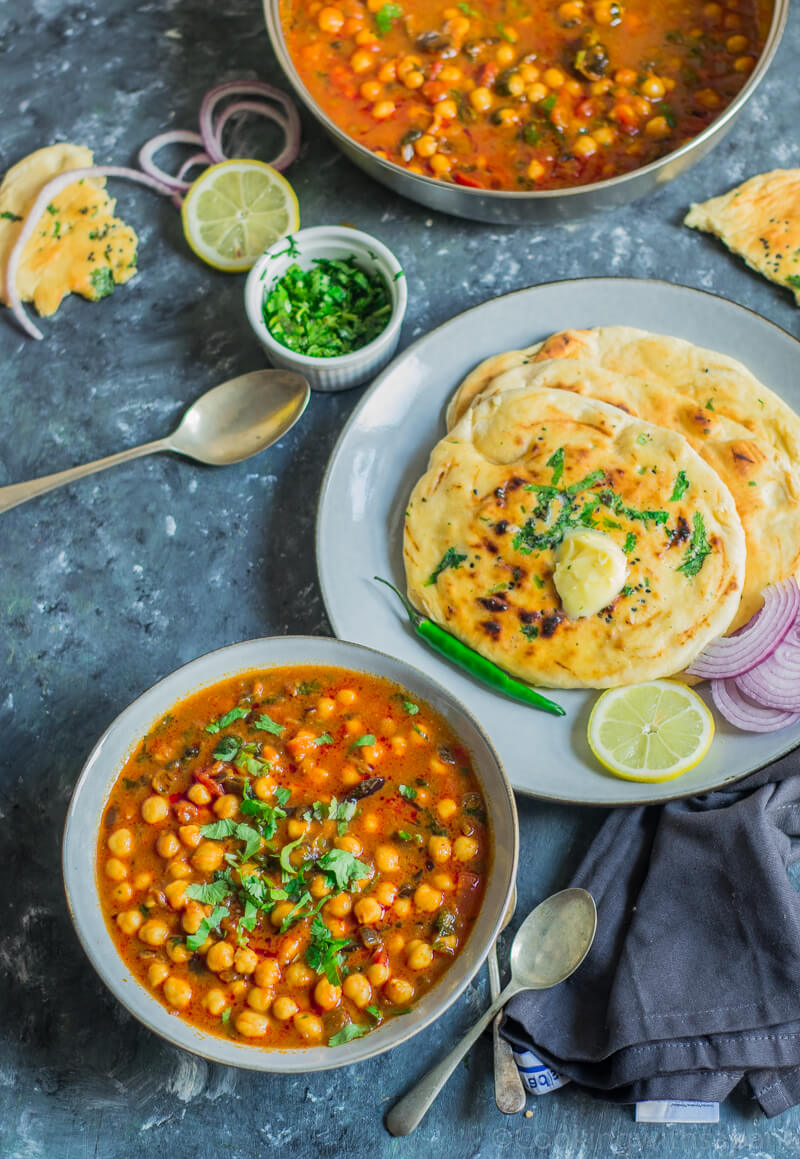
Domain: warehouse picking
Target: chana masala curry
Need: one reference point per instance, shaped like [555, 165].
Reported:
[293, 856]
[524, 94]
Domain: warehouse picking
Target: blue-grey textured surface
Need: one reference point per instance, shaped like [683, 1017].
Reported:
[108, 585]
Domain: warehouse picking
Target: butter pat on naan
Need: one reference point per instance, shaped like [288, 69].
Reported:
[760, 221]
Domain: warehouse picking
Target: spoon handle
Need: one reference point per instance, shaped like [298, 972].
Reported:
[17, 493]
[409, 1111]
[509, 1093]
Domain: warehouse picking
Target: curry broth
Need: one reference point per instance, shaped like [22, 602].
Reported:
[292, 856]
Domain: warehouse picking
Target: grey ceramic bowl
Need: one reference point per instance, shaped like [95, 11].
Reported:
[115, 745]
[549, 205]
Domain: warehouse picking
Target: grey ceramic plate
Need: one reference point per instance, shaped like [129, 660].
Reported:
[102, 769]
[384, 449]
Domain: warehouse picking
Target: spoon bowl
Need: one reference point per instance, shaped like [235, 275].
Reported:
[554, 939]
[241, 417]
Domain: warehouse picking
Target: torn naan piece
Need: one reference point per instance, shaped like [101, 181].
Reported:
[760, 221]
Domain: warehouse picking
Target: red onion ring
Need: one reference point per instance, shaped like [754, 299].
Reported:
[151, 147]
[190, 162]
[243, 89]
[289, 151]
[34, 216]
[775, 682]
[744, 714]
[734, 655]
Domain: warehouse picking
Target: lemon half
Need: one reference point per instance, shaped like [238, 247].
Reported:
[236, 210]
[650, 732]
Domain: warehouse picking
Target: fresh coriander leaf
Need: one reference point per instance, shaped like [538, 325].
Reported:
[251, 765]
[7, 215]
[585, 483]
[251, 838]
[792, 280]
[212, 922]
[249, 918]
[226, 1014]
[468, 10]
[611, 524]
[643, 439]
[404, 835]
[630, 543]
[408, 792]
[342, 867]
[268, 815]
[309, 688]
[698, 549]
[710, 404]
[386, 16]
[52, 209]
[451, 558]
[530, 630]
[367, 739]
[556, 463]
[209, 893]
[286, 852]
[417, 729]
[218, 830]
[411, 708]
[373, 1010]
[102, 282]
[226, 719]
[228, 748]
[294, 912]
[282, 795]
[324, 951]
[352, 1030]
[628, 590]
[267, 724]
[680, 488]
[326, 738]
[538, 581]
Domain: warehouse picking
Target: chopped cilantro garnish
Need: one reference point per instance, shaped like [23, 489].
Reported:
[212, 922]
[226, 1014]
[282, 795]
[386, 16]
[267, 724]
[404, 835]
[342, 867]
[556, 462]
[226, 719]
[7, 215]
[630, 543]
[210, 892]
[373, 1010]
[585, 483]
[538, 581]
[324, 951]
[643, 438]
[52, 209]
[102, 282]
[366, 739]
[219, 830]
[710, 404]
[451, 558]
[411, 708]
[268, 815]
[352, 1030]
[286, 853]
[792, 280]
[326, 738]
[228, 748]
[408, 792]
[309, 688]
[698, 549]
[680, 488]
[530, 630]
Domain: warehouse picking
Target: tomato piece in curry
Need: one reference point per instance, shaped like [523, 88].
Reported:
[524, 94]
[293, 856]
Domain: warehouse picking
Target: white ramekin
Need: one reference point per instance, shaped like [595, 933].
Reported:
[328, 241]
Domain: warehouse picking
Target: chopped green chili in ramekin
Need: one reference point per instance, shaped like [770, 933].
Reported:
[332, 309]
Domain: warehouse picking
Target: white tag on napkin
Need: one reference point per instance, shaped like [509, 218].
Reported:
[536, 1077]
[676, 1111]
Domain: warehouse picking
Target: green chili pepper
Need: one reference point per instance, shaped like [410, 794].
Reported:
[467, 658]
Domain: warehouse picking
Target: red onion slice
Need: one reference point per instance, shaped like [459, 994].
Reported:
[150, 148]
[242, 89]
[744, 713]
[190, 162]
[775, 682]
[734, 655]
[45, 196]
[290, 149]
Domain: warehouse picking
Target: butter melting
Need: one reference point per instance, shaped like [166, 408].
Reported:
[590, 571]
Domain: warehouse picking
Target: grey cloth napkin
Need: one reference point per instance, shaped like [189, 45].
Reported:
[693, 981]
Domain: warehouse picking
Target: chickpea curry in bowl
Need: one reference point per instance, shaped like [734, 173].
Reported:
[294, 857]
[524, 95]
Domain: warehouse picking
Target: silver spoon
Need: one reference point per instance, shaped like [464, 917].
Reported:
[509, 1092]
[549, 946]
[227, 424]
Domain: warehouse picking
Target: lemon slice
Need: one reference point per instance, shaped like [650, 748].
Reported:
[236, 210]
[650, 732]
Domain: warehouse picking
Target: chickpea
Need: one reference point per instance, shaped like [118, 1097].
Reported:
[350, 776]
[446, 808]
[115, 870]
[402, 907]
[554, 78]
[284, 1008]
[178, 869]
[325, 706]
[190, 835]
[281, 910]
[387, 859]
[357, 989]
[339, 906]
[371, 90]
[167, 844]
[504, 55]
[425, 146]
[178, 953]
[330, 20]
[399, 991]
[154, 932]
[736, 44]
[414, 79]
[192, 917]
[298, 975]
[419, 956]
[370, 823]
[426, 898]
[326, 995]
[208, 856]
[440, 164]
[308, 1026]
[608, 12]
[263, 788]
[362, 61]
[652, 87]
[570, 12]
[289, 948]
[198, 794]
[175, 894]
[368, 911]
[378, 973]
[259, 999]
[220, 957]
[481, 101]
[443, 881]
[226, 806]
[585, 146]
[129, 921]
[120, 842]
[347, 696]
[238, 988]
[464, 848]
[267, 973]
[156, 973]
[245, 961]
[449, 75]
[366, 39]
[319, 886]
[398, 745]
[439, 849]
[177, 992]
[604, 135]
[349, 843]
[536, 92]
[713, 12]
[395, 942]
[529, 73]
[142, 881]
[215, 1001]
[386, 74]
[744, 63]
[154, 810]
[625, 77]
[657, 128]
[435, 765]
[386, 892]
[122, 893]
[252, 1025]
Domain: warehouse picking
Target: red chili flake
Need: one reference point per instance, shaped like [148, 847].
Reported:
[209, 783]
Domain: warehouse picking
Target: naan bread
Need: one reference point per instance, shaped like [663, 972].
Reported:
[741, 428]
[79, 246]
[472, 512]
[760, 221]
